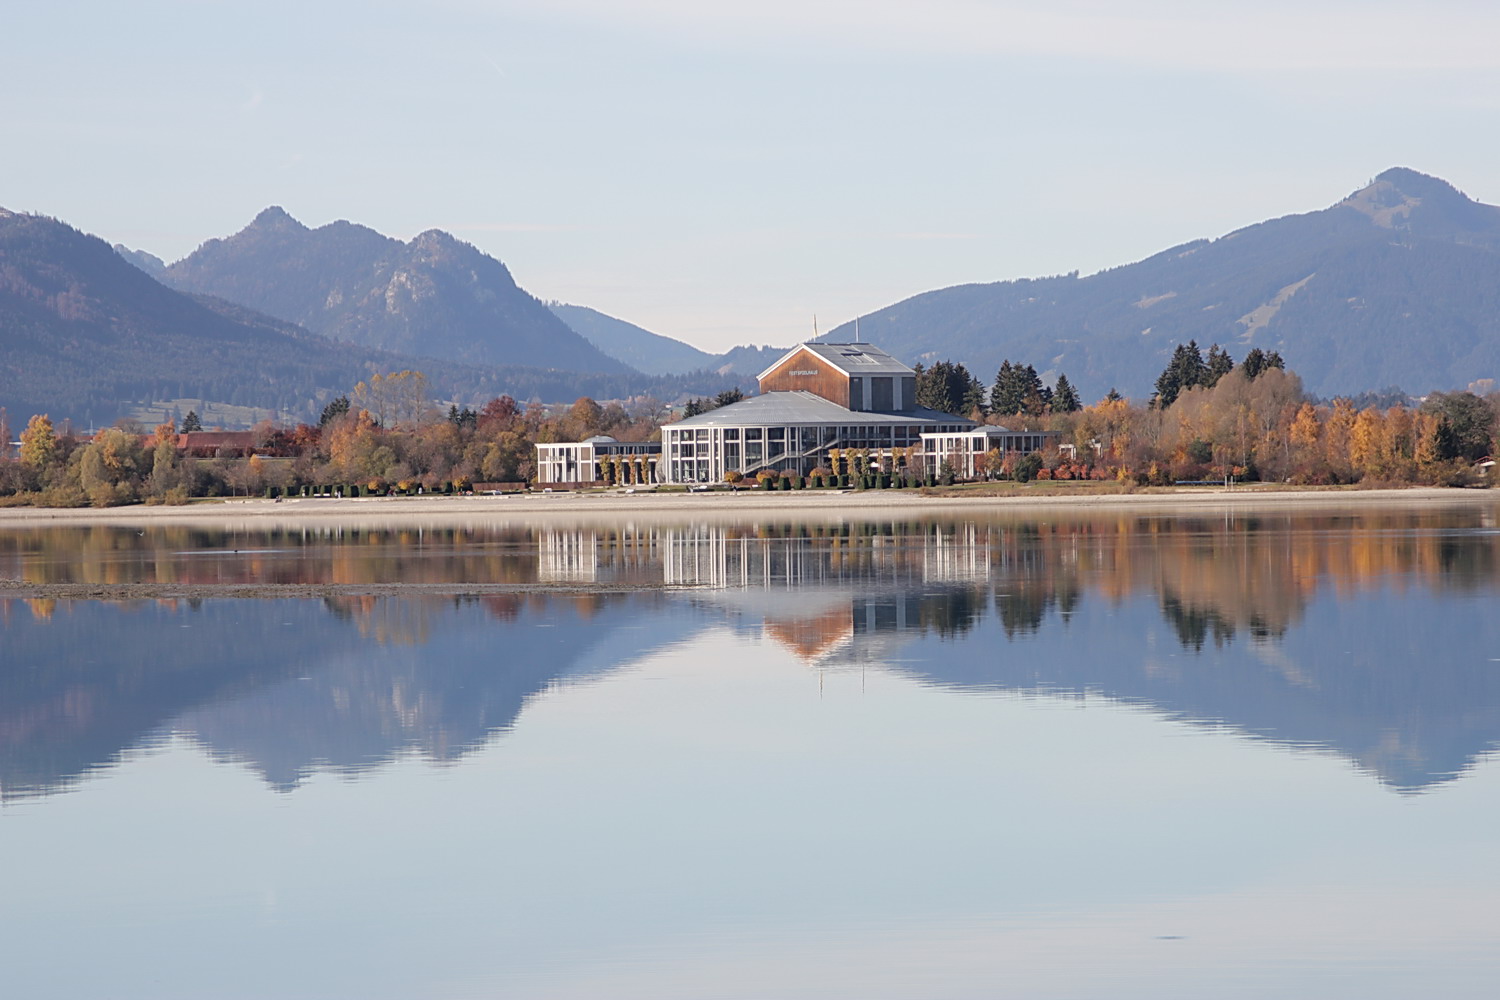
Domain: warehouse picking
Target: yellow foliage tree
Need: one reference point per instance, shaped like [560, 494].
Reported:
[39, 443]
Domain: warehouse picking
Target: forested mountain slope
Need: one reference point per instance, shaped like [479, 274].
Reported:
[1398, 284]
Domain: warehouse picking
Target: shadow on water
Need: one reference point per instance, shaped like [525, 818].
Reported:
[1366, 635]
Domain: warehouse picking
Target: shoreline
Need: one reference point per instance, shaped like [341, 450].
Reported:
[571, 511]
[717, 506]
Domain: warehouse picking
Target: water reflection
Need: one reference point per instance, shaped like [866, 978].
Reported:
[1366, 635]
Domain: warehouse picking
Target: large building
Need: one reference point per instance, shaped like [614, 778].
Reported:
[817, 398]
[820, 397]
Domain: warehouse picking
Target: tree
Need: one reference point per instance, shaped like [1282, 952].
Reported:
[584, 418]
[1185, 370]
[1471, 422]
[335, 409]
[1002, 396]
[192, 423]
[1065, 397]
[465, 419]
[396, 399]
[39, 447]
[1257, 362]
[973, 405]
[943, 387]
[165, 472]
[1219, 364]
[1036, 398]
[498, 414]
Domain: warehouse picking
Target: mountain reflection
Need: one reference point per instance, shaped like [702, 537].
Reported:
[1362, 634]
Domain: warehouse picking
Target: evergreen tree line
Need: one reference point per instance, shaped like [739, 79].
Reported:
[948, 387]
[1189, 369]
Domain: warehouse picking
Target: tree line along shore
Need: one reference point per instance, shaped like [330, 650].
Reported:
[1210, 419]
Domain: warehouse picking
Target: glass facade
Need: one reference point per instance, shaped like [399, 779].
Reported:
[706, 454]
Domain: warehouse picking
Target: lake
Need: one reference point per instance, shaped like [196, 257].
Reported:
[1062, 755]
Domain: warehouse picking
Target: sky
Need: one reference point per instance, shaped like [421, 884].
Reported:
[728, 173]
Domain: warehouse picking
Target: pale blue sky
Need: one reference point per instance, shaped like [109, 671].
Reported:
[721, 173]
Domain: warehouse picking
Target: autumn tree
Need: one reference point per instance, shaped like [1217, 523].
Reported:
[109, 467]
[166, 471]
[39, 446]
[397, 399]
[584, 419]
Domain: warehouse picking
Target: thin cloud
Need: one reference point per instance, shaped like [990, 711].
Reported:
[1158, 34]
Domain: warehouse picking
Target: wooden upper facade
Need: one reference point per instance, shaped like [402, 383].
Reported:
[856, 376]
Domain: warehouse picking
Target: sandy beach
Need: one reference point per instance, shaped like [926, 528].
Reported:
[748, 504]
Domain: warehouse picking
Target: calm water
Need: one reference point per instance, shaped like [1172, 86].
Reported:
[1105, 756]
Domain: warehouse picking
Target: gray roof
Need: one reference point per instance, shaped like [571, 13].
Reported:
[995, 430]
[852, 358]
[801, 407]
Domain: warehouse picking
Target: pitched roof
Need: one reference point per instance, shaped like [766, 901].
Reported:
[851, 358]
[802, 407]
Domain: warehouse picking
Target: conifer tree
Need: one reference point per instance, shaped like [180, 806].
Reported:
[1219, 365]
[973, 399]
[1257, 362]
[1184, 371]
[1001, 400]
[1065, 397]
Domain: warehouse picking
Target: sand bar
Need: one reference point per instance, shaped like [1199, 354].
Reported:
[745, 505]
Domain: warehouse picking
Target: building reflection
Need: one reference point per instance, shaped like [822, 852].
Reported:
[1206, 620]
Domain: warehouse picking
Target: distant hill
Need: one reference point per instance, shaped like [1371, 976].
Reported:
[82, 329]
[658, 355]
[434, 296]
[1398, 284]
[148, 262]
[85, 333]
[639, 348]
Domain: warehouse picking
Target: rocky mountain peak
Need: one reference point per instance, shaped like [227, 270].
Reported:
[275, 217]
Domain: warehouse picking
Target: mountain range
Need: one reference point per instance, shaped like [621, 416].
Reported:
[1397, 284]
[90, 332]
[434, 295]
